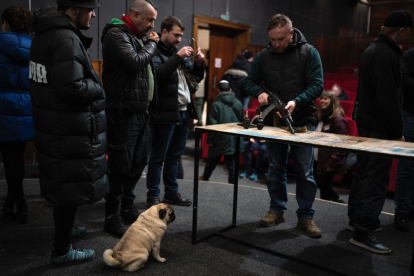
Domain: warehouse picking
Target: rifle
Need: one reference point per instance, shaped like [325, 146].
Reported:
[276, 102]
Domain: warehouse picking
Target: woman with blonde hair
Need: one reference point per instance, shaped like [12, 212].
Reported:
[328, 163]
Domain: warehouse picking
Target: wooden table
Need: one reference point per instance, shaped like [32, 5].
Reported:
[344, 143]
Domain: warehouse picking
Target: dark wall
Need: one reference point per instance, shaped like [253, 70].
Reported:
[312, 17]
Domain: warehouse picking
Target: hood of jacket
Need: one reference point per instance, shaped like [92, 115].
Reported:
[49, 18]
[226, 97]
[297, 40]
[115, 23]
[16, 46]
[236, 74]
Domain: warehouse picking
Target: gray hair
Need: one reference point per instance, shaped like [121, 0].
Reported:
[141, 6]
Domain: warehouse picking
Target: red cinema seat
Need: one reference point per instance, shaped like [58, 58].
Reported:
[327, 84]
[255, 103]
[346, 70]
[351, 86]
[318, 102]
[393, 176]
[352, 127]
[348, 77]
[348, 107]
[330, 76]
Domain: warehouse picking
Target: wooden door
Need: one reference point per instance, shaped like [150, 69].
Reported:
[221, 47]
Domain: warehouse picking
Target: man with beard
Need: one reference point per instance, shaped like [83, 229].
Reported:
[292, 68]
[69, 119]
[129, 82]
[171, 117]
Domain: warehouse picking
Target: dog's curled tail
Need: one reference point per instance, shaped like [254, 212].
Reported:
[109, 260]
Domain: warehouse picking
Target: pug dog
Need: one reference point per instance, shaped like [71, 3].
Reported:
[142, 237]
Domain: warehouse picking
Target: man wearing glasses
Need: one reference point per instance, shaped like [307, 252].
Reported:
[174, 109]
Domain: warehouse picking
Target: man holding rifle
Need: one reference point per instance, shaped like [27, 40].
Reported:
[291, 68]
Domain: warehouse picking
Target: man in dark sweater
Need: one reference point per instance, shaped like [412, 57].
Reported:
[378, 116]
[293, 68]
[404, 186]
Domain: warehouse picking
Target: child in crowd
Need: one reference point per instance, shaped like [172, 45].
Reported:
[249, 147]
[225, 109]
[328, 163]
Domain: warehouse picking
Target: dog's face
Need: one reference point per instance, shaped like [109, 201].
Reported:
[166, 212]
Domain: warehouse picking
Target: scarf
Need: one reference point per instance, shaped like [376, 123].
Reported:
[131, 26]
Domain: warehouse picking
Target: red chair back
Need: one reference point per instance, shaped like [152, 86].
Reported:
[255, 103]
[318, 102]
[327, 84]
[348, 107]
[348, 77]
[330, 76]
[346, 70]
[352, 127]
[351, 86]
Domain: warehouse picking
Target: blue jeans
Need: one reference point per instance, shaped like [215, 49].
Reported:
[249, 147]
[305, 184]
[404, 192]
[168, 145]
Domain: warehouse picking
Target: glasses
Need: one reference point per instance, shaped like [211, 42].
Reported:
[191, 42]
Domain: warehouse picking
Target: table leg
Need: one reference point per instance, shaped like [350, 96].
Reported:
[195, 193]
[236, 181]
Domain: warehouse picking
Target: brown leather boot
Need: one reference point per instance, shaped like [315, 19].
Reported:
[272, 218]
[309, 227]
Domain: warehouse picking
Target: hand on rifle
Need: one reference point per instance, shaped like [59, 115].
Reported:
[290, 107]
[263, 99]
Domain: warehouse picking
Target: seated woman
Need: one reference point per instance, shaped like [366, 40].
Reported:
[328, 163]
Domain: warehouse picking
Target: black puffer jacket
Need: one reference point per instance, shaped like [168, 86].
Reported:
[166, 62]
[68, 113]
[236, 79]
[125, 72]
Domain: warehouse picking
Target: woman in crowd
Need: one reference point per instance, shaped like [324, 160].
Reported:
[16, 123]
[328, 163]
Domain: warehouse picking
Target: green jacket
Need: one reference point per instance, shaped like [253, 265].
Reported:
[225, 109]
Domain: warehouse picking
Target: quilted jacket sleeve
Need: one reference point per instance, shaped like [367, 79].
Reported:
[118, 43]
[69, 81]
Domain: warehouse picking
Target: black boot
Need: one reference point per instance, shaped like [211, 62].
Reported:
[401, 222]
[129, 215]
[366, 240]
[8, 206]
[21, 210]
[115, 226]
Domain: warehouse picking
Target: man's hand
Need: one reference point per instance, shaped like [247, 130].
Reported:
[263, 99]
[400, 139]
[252, 140]
[199, 58]
[154, 36]
[185, 52]
[290, 107]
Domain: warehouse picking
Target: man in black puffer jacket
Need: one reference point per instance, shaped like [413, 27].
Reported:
[378, 116]
[172, 115]
[69, 119]
[129, 82]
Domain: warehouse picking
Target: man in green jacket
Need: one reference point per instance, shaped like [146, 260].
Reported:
[225, 109]
[292, 68]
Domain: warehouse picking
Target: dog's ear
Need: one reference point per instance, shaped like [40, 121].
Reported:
[162, 213]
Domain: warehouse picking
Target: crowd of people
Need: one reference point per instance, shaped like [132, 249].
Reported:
[140, 116]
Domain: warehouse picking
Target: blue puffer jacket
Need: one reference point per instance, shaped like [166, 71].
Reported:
[16, 122]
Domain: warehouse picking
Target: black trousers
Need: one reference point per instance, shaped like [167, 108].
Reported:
[64, 218]
[324, 183]
[212, 163]
[13, 159]
[369, 187]
[128, 138]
